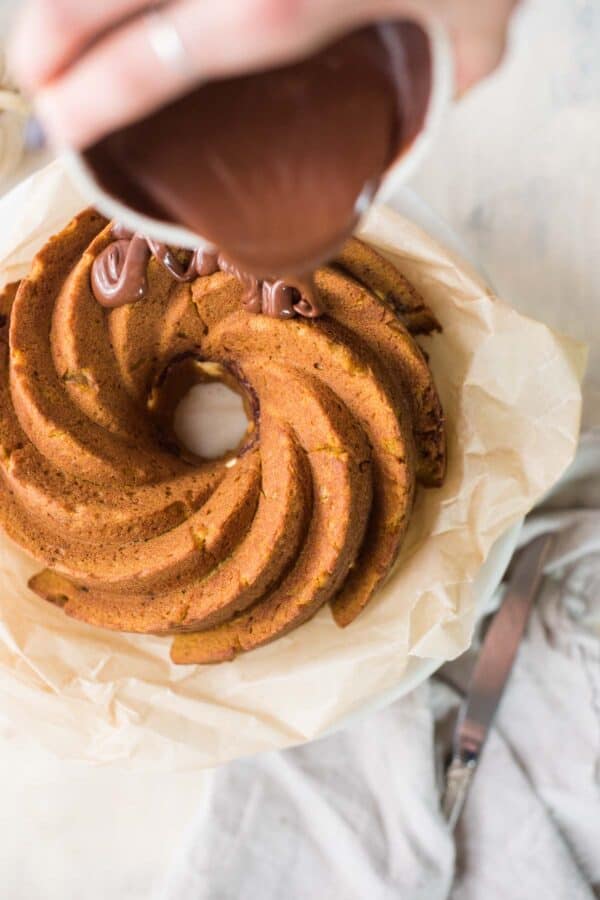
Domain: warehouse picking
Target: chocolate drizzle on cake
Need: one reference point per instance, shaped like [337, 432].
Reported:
[119, 277]
[119, 273]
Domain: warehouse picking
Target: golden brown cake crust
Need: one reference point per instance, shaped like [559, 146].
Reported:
[139, 535]
[384, 280]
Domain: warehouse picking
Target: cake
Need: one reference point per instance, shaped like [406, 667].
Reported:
[136, 533]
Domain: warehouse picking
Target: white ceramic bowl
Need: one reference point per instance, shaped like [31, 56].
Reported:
[442, 92]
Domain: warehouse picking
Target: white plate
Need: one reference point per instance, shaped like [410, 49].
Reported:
[490, 575]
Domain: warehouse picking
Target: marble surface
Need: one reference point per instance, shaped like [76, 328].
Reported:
[516, 174]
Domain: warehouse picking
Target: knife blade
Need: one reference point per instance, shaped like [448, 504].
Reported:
[491, 673]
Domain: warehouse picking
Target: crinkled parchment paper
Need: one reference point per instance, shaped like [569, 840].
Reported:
[511, 391]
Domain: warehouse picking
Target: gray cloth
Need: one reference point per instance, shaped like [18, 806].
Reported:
[357, 815]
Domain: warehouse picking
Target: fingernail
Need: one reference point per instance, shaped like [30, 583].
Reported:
[35, 138]
[50, 118]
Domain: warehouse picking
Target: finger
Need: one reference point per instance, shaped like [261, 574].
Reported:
[121, 78]
[68, 27]
[475, 59]
[480, 37]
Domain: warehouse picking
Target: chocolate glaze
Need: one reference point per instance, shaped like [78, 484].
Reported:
[307, 303]
[119, 272]
[278, 300]
[119, 276]
[275, 167]
[169, 261]
[251, 298]
[207, 262]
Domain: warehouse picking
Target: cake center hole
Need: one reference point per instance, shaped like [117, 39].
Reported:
[211, 421]
[204, 409]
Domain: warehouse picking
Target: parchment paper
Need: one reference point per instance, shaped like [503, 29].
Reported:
[511, 392]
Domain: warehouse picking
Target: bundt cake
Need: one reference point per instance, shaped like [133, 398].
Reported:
[137, 533]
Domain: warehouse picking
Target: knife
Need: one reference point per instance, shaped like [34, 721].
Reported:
[491, 673]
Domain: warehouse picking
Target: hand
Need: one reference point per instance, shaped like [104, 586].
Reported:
[91, 68]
